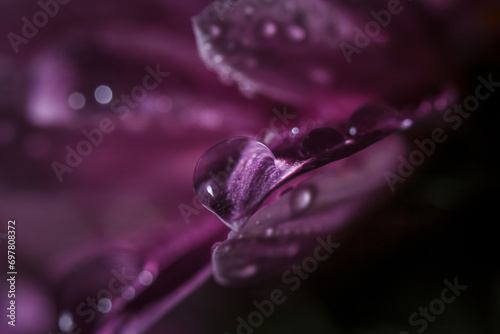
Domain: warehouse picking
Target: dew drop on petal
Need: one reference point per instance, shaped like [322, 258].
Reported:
[406, 123]
[145, 277]
[103, 94]
[269, 29]
[128, 292]
[221, 177]
[104, 305]
[76, 101]
[218, 59]
[301, 199]
[320, 141]
[65, 322]
[269, 232]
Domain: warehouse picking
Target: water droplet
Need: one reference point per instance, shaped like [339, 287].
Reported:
[296, 33]
[269, 29]
[321, 140]
[145, 277]
[406, 123]
[103, 94]
[66, 322]
[128, 292]
[218, 59]
[372, 117]
[302, 198]
[207, 46]
[231, 177]
[104, 305]
[295, 130]
[246, 272]
[269, 232]
[247, 89]
[76, 101]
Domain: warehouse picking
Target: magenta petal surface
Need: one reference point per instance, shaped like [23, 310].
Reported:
[294, 51]
[284, 231]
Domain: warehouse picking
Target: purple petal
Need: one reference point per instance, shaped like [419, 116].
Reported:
[285, 230]
[291, 51]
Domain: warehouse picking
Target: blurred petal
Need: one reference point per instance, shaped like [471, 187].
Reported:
[292, 51]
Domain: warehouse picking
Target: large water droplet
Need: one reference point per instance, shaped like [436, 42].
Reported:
[320, 141]
[371, 118]
[233, 177]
